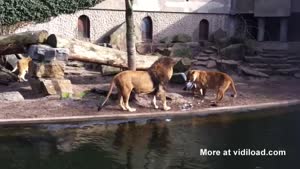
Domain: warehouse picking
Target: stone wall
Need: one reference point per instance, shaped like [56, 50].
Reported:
[102, 22]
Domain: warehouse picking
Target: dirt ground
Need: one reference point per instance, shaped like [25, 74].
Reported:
[250, 91]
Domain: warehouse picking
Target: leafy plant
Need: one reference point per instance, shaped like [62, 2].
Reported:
[14, 11]
[65, 95]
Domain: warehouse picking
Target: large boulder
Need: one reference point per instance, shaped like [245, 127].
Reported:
[223, 42]
[166, 40]
[178, 78]
[11, 96]
[228, 66]
[45, 53]
[165, 51]
[9, 61]
[182, 65]
[251, 47]
[181, 38]
[218, 35]
[181, 50]
[5, 78]
[54, 69]
[118, 37]
[233, 52]
[61, 87]
[143, 48]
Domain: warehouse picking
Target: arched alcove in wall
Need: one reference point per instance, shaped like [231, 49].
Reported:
[83, 26]
[147, 29]
[203, 29]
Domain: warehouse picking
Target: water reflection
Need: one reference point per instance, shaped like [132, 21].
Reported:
[156, 144]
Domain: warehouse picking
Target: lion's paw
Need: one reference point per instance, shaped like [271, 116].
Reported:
[166, 108]
[132, 109]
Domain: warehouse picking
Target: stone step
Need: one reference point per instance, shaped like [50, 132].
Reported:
[274, 55]
[267, 71]
[208, 51]
[274, 45]
[294, 62]
[201, 54]
[280, 66]
[202, 58]
[258, 65]
[289, 71]
[259, 59]
[275, 51]
[271, 66]
[200, 63]
[293, 58]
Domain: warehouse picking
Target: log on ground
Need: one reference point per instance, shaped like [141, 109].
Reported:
[17, 43]
[89, 52]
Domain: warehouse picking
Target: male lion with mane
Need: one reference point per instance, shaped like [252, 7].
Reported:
[151, 81]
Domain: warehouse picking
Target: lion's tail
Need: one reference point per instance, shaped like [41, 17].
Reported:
[233, 88]
[112, 84]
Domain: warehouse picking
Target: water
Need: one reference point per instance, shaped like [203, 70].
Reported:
[154, 144]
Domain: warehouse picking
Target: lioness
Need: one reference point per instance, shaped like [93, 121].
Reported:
[22, 66]
[200, 81]
[151, 81]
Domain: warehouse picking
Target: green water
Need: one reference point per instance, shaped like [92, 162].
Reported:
[153, 144]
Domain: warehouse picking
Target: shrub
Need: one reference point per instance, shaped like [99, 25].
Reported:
[14, 11]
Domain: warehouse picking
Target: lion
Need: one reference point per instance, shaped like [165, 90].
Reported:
[199, 81]
[151, 81]
[22, 66]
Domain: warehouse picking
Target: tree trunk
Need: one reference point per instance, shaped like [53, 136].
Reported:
[89, 52]
[16, 43]
[130, 41]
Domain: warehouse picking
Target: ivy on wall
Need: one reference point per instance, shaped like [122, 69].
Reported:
[14, 11]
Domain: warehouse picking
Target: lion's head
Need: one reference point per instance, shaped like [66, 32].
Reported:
[161, 70]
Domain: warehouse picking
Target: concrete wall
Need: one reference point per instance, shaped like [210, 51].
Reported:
[266, 7]
[104, 21]
[294, 48]
[295, 6]
[272, 8]
[243, 6]
[198, 6]
[294, 27]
